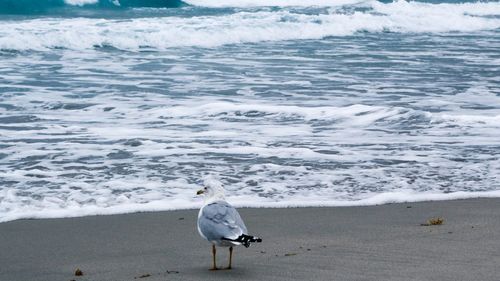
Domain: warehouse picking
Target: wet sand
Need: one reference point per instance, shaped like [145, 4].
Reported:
[384, 242]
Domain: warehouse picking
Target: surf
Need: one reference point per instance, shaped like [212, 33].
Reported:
[242, 27]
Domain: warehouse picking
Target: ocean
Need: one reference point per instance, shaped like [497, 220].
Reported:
[117, 106]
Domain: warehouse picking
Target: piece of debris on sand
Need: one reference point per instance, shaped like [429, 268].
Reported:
[78, 272]
[433, 221]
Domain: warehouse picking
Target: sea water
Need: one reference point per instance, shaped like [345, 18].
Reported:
[115, 106]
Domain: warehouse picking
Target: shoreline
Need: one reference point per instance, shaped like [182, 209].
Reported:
[382, 242]
[242, 202]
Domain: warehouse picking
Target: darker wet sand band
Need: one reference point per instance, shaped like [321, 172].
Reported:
[384, 242]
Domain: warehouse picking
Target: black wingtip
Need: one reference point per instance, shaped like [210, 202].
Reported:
[245, 240]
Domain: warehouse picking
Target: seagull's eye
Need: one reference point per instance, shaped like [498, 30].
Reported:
[205, 188]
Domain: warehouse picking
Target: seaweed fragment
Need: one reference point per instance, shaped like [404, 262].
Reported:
[78, 272]
[433, 221]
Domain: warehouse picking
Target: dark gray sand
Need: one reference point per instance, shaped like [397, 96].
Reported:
[348, 243]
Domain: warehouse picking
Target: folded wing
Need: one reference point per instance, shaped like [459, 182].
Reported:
[220, 221]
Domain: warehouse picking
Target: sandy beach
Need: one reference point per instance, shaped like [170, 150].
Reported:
[384, 242]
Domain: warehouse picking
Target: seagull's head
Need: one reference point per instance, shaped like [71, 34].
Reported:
[212, 188]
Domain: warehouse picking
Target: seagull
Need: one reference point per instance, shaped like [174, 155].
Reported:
[219, 222]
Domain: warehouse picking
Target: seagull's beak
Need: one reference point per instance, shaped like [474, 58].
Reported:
[199, 192]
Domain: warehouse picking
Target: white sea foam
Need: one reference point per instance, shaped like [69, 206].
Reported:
[278, 3]
[276, 185]
[80, 2]
[402, 7]
[56, 208]
[246, 27]
[369, 119]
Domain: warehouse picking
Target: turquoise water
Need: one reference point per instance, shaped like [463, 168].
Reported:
[122, 106]
[73, 7]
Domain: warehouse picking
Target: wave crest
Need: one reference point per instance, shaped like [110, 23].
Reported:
[246, 27]
[269, 3]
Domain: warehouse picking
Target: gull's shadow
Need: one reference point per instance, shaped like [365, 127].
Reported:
[235, 272]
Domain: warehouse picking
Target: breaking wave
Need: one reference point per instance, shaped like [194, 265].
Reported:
[245, 26]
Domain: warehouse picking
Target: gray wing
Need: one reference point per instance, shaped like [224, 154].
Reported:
[220, 220]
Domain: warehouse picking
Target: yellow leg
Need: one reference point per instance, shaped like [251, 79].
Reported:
[214, 251]
[230, 257]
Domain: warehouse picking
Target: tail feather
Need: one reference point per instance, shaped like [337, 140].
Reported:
[245, 240]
